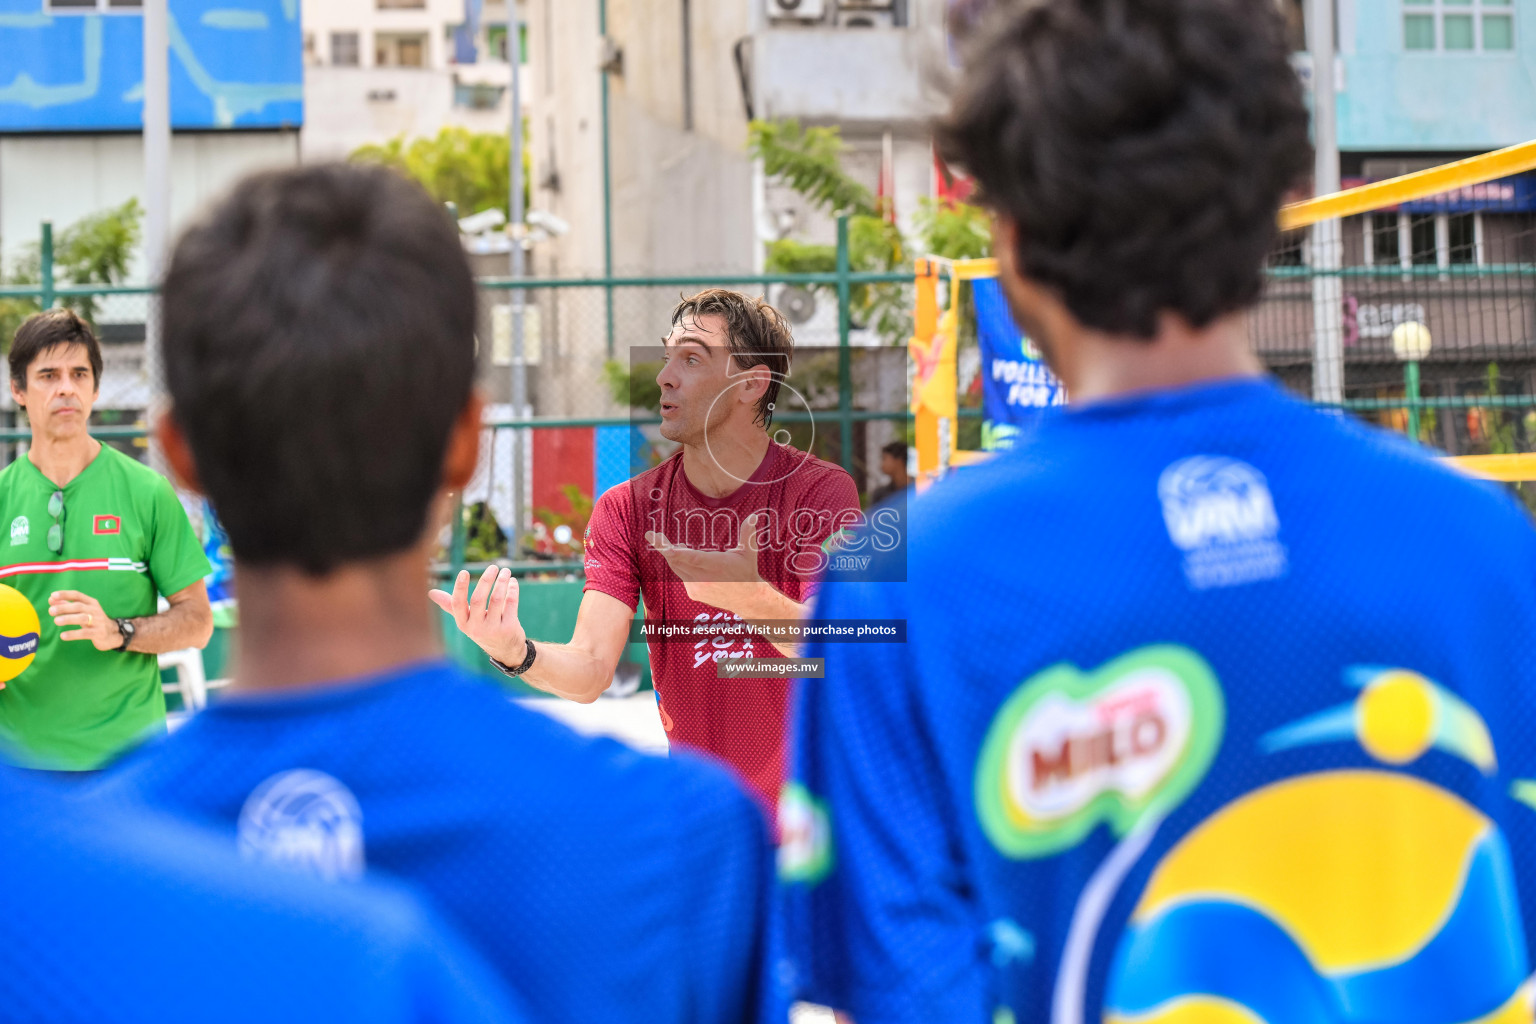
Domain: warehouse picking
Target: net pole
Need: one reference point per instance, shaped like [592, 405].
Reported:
[519, 368]
[1327, 239]
[157, 193]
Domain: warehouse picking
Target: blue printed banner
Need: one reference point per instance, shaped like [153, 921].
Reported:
[1015, 383]
[233, 64]
[1516, 194]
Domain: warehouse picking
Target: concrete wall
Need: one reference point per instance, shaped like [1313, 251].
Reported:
[351, 107]
[347, 107]
[65, 177]
[1397, 99]
[886, 76]
[684, 196]
[681, 195]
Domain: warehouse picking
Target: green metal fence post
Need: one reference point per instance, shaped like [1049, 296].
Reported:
[45, 263]
[457, 539]
[1411, 387]
[844, 361]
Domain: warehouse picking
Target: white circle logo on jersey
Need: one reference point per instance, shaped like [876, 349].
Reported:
[306, 820]
[1220, 514]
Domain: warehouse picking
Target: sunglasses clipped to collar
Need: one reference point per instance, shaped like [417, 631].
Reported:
[56, 531]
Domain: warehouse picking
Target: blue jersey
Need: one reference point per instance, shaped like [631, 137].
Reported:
[604, 884]
[110, 917]
[1213, 706]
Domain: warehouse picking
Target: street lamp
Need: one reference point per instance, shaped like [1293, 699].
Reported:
[1410, 343]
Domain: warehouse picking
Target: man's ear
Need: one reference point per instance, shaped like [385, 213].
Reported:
[757, 379]
[464, 445]
[177, 452]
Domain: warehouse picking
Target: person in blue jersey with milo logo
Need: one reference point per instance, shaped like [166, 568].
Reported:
[1223, 711]
[92, 538]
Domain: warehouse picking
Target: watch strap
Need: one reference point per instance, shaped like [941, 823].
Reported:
[520, 669]
[125, 627]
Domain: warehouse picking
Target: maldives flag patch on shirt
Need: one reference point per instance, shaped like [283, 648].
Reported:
[107, 524]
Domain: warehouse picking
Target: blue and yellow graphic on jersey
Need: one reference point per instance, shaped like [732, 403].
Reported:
[1397, 718]
[1339, 896]
[1336, 897]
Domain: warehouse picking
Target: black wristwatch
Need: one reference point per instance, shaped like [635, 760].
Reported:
[524, 667]
[125, 627]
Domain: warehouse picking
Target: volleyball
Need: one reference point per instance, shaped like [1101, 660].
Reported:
[18, 633]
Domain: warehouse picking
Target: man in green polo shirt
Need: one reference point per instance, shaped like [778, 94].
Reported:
[89, 536]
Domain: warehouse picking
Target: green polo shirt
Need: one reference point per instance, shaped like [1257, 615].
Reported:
[126, 537]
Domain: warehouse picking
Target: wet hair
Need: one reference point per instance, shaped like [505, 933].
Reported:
[756, 334]
[1142, 148]
[42, 331]
[319, 347]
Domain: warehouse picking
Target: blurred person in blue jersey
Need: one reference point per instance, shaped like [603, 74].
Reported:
[320, 355]
[111, 918]
[1224, 711]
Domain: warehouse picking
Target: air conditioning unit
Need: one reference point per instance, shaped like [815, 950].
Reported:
[859, 18]
[797, 10]
[866, 5]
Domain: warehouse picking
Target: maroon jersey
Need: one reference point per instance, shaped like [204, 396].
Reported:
[800, 501]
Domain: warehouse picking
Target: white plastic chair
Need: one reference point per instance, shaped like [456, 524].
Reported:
[190, 682]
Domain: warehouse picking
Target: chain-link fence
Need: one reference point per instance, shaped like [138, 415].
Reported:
[1418, 314]
[1424, 312]
[588, 385]
[582, 417]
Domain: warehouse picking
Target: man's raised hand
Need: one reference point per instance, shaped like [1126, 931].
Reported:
[489, 615]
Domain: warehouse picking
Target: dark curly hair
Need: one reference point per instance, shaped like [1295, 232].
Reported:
[319, 347]
[1142, 148]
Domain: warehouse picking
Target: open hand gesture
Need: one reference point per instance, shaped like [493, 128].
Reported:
[489, 615]
[724, 579]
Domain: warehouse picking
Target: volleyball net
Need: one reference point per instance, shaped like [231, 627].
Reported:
[1410, 299]
[1407, 298]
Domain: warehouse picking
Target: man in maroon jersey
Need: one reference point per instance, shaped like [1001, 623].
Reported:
[730, 527]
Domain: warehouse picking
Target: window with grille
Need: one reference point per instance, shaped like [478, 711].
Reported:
[345, 49]
[1423, 239]
[92, 6]
[1459, 25]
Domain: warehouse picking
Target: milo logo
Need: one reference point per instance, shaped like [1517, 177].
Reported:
[23, 646]
[1119, 744]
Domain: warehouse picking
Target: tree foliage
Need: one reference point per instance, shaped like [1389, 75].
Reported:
[96, 249]
[633, 386]
[472, 170]
[956, 231]
[809, 160]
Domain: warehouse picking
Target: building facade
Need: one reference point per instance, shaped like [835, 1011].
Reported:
[377, 69]
[71, 99]
[1420, 83]
[684, 79]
